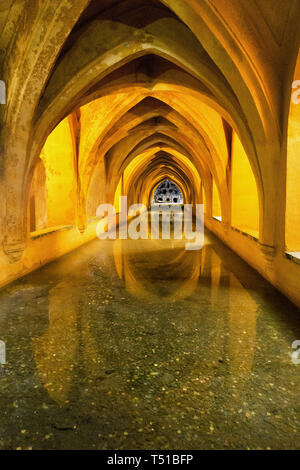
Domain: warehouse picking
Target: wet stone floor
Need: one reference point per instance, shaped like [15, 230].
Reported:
[143, 345]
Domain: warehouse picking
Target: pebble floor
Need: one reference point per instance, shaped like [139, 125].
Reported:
[144, 345]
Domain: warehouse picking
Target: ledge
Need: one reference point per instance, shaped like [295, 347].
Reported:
[97, 219]
[252, 237]
[94, 219]
[49, 230]
[293, 256]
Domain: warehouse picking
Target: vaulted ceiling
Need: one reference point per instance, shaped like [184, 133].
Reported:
[163, 82]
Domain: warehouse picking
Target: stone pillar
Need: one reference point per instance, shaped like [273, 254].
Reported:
[81, 212]
[15, 220]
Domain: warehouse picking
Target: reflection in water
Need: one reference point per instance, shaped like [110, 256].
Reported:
[141, 344]
[242, 328]
[54, 356]
[177, 265]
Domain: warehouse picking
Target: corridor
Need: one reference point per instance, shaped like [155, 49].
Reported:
[111, 110]
[144, 345]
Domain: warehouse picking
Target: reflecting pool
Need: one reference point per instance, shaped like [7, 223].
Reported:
[143, 345]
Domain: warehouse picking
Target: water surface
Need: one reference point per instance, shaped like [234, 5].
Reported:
[143, 345]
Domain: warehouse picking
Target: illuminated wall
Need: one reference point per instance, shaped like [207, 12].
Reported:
[117, 196]
[58, 158]
[38, 199]
[293, 171]
[245, 207]
[203, 201]
[216, 204]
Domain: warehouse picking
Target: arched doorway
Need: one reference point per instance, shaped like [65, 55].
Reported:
[167, 193]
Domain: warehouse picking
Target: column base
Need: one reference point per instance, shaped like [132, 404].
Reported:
[14, 251]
